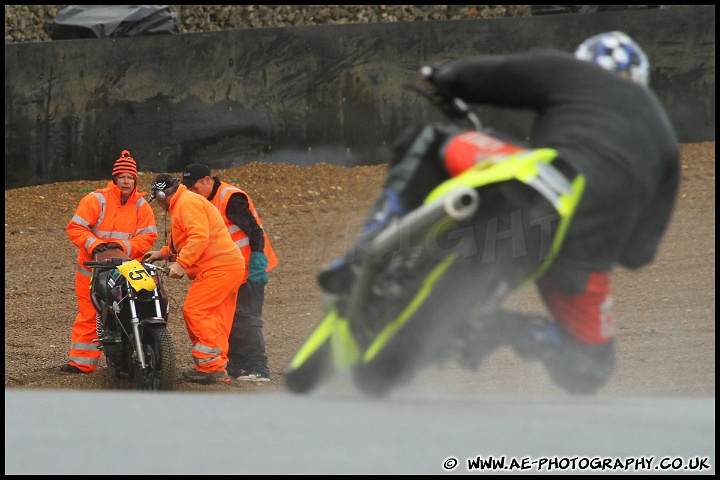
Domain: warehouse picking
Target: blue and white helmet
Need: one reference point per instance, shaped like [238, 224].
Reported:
[617, 52]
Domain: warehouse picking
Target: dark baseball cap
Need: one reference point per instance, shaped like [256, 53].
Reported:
[193, 173]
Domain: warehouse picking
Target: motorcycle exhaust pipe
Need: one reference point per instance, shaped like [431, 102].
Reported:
[462, 203]
[459, 204]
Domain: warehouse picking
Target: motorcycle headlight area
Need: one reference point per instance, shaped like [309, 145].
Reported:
[144, 295]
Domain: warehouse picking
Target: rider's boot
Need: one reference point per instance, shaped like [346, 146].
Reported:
[580, 368]
[577, 367]
[531, 337]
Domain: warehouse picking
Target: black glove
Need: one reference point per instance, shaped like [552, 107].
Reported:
[99, 249]
[115, 245]
[438, 96]
[106, 246]
[449, 103]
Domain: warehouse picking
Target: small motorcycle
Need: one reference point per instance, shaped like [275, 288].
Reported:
[132, 315]
[425, 286]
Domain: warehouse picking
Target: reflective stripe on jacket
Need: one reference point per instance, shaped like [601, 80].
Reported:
[101, 217]
[220, 200]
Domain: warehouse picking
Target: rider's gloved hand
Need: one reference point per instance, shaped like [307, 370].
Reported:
[428, 74]
[448, 102]
[258, 266]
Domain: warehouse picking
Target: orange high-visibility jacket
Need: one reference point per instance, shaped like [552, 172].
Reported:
[199, 235]
[220, 200]
[101, 217]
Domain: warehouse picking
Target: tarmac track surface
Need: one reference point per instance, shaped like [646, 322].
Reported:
[111, 432]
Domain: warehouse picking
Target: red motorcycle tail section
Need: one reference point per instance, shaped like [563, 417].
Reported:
[471, 148]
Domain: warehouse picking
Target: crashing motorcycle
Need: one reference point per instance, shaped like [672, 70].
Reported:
[425, 287]
[132, 314]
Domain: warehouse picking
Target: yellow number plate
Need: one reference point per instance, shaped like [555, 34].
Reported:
[136, 274]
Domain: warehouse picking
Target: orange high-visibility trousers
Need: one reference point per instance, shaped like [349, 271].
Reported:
[83, 353]
[208, 310]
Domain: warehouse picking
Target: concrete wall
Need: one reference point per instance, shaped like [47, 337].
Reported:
[300, 95]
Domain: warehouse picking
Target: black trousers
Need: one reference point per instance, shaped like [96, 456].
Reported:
[247, 342]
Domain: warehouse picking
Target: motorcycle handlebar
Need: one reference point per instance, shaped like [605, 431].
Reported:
[452, 106]
[108, 263]
[115, 262]
[162, 269]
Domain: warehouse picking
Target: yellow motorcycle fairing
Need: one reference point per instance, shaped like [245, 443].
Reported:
[336, 330]
[528, 167]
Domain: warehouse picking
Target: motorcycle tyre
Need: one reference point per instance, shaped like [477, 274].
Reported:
[422, 340]
[159, 354]
[395, 366]
[312, 373]
[376, 382]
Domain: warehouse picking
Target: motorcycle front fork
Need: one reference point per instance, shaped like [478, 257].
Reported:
[135, 322]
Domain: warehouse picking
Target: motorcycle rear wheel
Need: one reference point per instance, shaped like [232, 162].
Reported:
[159, 352]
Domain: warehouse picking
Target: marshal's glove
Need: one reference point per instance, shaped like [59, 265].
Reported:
[257, 274]
[106, 246]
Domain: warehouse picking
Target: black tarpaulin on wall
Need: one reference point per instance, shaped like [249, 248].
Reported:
[302, 95]
[109, 21]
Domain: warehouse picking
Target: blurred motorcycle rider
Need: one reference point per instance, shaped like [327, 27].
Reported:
[114, 217]
[596, 110]
[200, 246]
